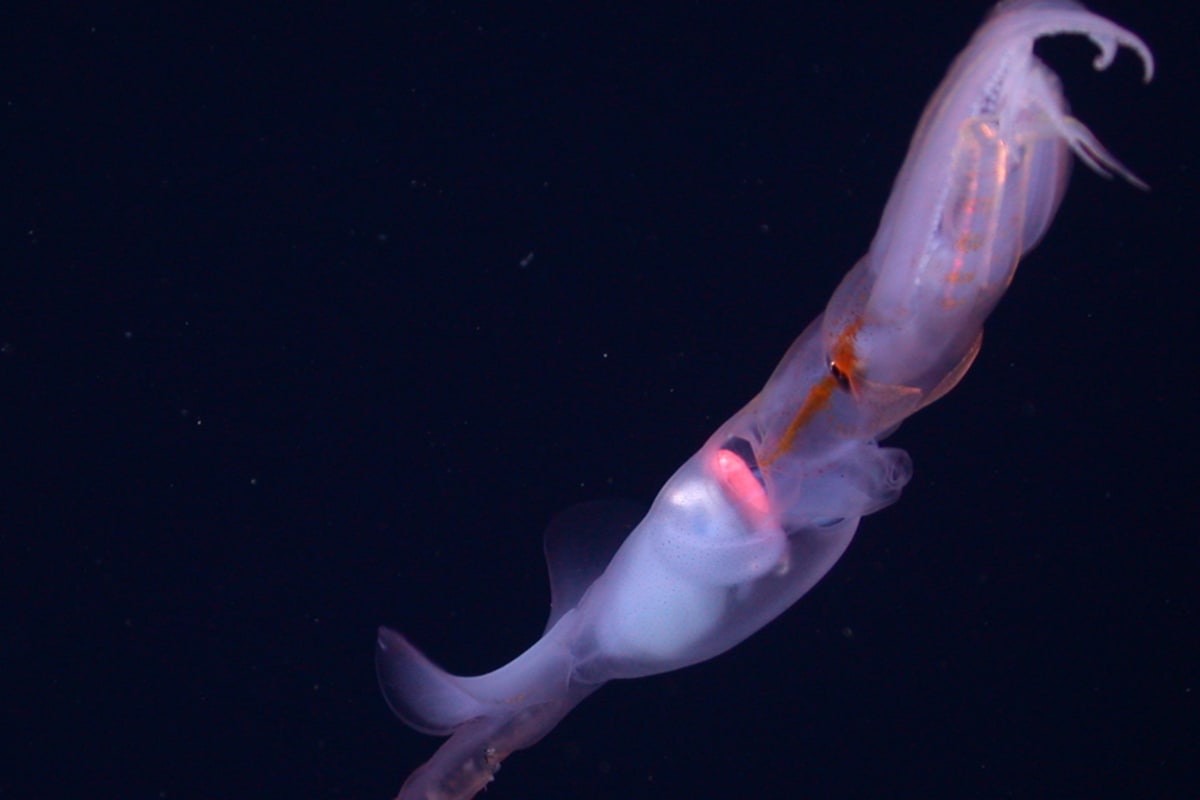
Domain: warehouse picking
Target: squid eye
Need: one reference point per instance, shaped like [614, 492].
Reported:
[839, 375]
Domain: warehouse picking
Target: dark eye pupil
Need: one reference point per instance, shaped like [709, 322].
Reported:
[839, 375]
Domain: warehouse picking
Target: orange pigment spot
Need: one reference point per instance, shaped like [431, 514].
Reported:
[844, 357]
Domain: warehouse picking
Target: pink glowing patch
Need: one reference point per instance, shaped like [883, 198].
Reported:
[739, 481]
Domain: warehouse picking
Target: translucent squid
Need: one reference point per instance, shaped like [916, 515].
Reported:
[771, 501]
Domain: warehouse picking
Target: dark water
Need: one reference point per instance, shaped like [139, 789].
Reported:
[313, 316]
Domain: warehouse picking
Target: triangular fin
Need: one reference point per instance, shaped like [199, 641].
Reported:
[579, 544]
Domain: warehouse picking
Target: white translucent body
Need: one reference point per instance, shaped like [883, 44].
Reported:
[766, 507]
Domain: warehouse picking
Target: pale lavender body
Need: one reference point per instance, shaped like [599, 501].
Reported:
[766, 507]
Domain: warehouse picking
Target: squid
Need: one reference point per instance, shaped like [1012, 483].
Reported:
[771, 501]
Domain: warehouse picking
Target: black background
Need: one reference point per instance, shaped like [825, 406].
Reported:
[313, 315]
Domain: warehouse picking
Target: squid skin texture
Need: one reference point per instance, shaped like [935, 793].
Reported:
[771, 501]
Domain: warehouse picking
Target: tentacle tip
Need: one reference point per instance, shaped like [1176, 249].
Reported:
[1106, 56]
